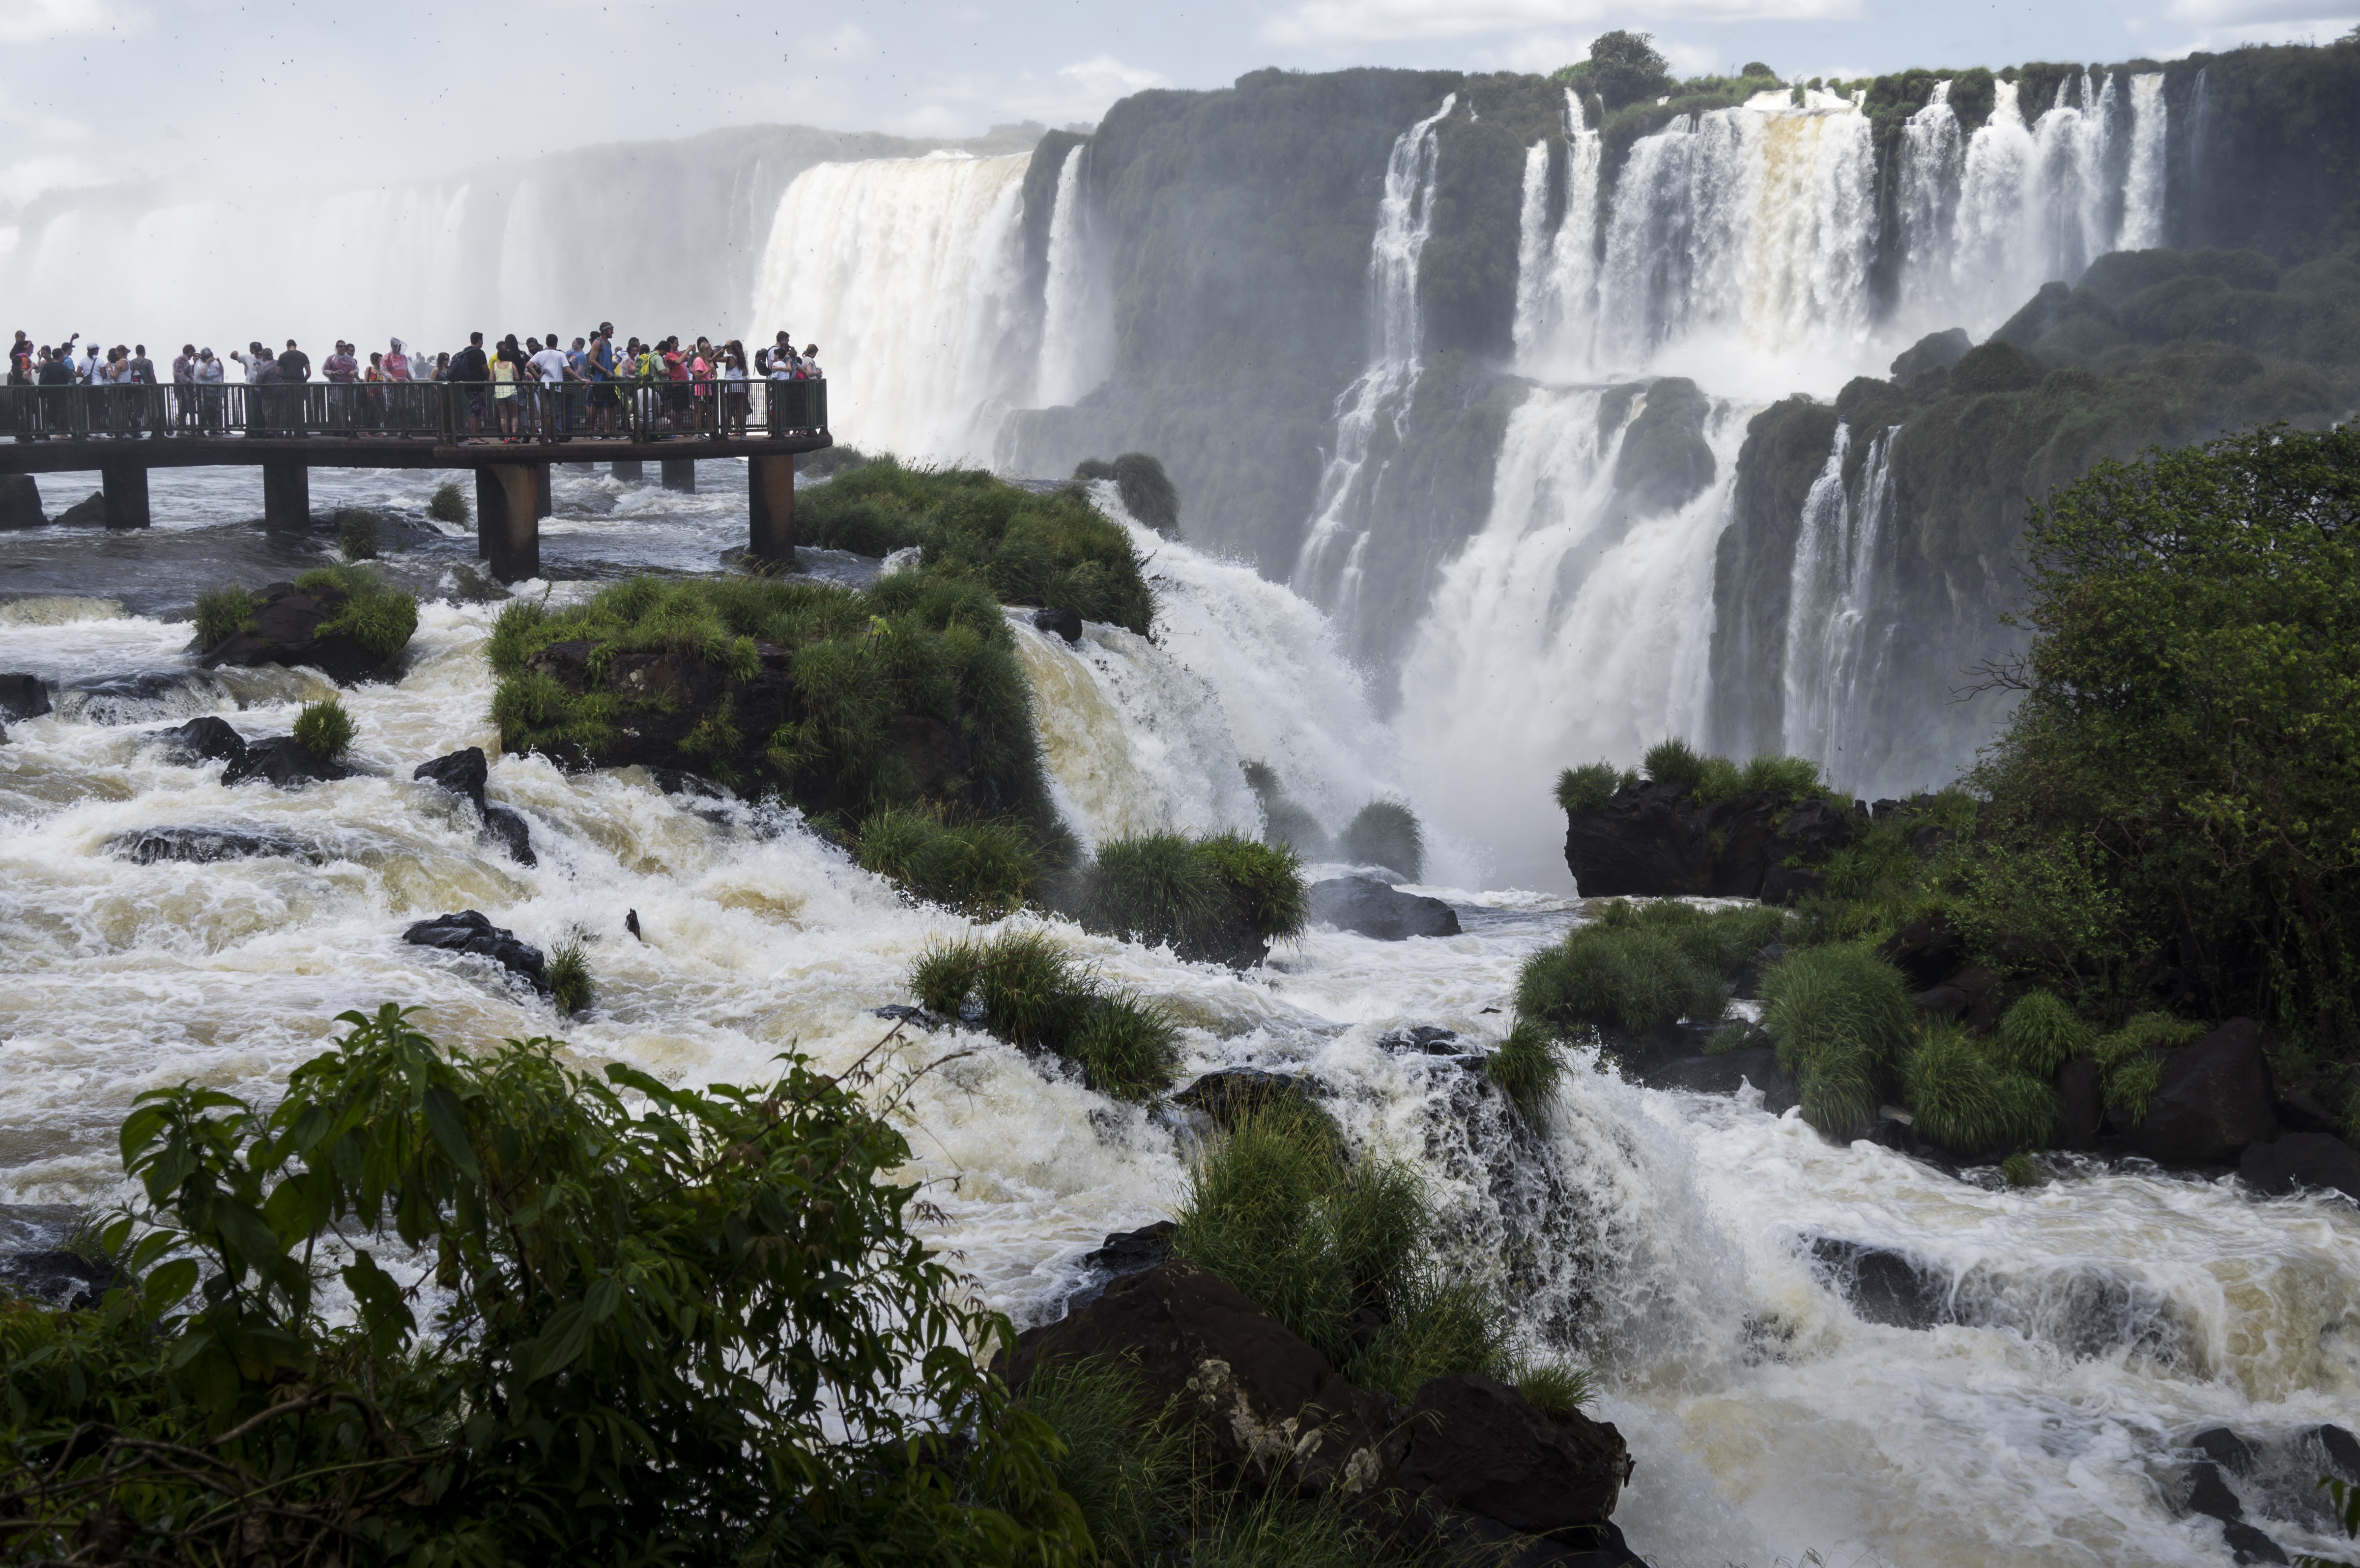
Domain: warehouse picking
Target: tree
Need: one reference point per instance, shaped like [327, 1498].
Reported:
[1626, 68]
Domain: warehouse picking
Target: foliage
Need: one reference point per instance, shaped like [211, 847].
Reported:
[667, 1323]
[1264, 881]
[1386, 833]
[1148, 492]
[448, 504]
[221, 614]
[830, 461]
[985, 869]
[1625, 67]
[1026, 549]
[1526, 1065]
[366, 608]
[1284, 821]
[324, 730]
[2130, 1060]
[569, 974]
[2040, 1034]
[1554, 1388]
[1638, 967]
[2344, 1511]
[2189, 738]
[1312, 1237]
[356, 533]
[1673, 761]
[1124, 1465]
[1964, 1100]
[1203, 897]
[1840, 1018]
[1590, 786]
[1030, 994]
[2020, 1169]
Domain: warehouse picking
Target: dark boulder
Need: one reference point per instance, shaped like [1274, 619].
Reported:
[2301, 1160]
[1374, 908]
[1266, 1406]
[141, 698]
[20, 502]
[1926, 951]
[472, 932]
[461, 772]
[286, 630]
[1728, 1072]
[203, 846]
[2081, 1106]
[1066, 623]
[61, 1279]
[2247, 1544]
[2217, 1098]
[1480, 1445]
[1648, 840]
[284, 761]
[1975, 994]
[1884, 1286]
[1935, 351]
[2208, 1494]
[1424, 1039]
[512, 832]
[1665, 462]
[200, 741]
[1123, 1253]
[2224, 1448]
[2341, 1449]
[90, 512]
[1225, 1092]
[23, 696]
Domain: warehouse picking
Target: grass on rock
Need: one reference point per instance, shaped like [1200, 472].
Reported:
[221, 614]
[448, 504]
[569, 974]
[324, 730]
[1208, 898]
[986, 869]
[379, 617]
[1386, 833]
[1033, 995]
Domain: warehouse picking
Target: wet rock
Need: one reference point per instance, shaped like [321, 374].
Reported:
[23, 696]
[1124, 1253]
[1935, 351]
[1480, 1445]
[284, 761]
[286, 630]
[674, 781]
[2217, 1098]
[1462, 1539]
[1266, 1406]
[200, 741]
[2247, 1544]
[472, 932]
[1975, 994]
[461, 772]
[1884, 1286]
[2209, 1494]
[2081, 1106]
[1066, 623]
[142, 698]
[512, 832]
[59, 1277]
[1646, 841]
[2224, 1448]
[20, 502]
[2342, 1450]
[2301, 1160]
[1728, 1072]
[1224, 1094]
[203, 846]
[1374, 908]
[1749, 979]
[87, 513]
[1926, 951]
[1424, 1039]
[915, 1017]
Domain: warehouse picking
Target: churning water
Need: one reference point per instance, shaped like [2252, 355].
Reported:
[2075, 1334]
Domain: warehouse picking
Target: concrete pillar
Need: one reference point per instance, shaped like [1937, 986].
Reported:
[630, 470]
[285, 494]
[127, 496]
[680, 473]
[540, 502]
[507, 534]
[770, 509]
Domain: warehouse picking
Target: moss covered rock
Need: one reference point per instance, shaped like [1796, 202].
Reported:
[342, 621]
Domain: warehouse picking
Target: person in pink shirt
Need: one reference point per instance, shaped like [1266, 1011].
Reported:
[397, 363]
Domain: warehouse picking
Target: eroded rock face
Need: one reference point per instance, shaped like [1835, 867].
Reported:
[1374, 908]
[2217, 1098]
[1480, 1445]
[23, 696]
[200, 741]
[471, 930]
[463, 773]
[203, 846]
[20, 502]
[284, 761]
[287, 631]
[1658, 841]
[2301, 1160]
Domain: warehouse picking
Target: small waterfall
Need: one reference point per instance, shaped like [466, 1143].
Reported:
[1077, 308]
[1405, 219]
[2199, 132]
[2142, 197]
[1557, 273]
[907, 270]
[1930, 177]
[2072, 141]
[1532, 241]
[1838, 611]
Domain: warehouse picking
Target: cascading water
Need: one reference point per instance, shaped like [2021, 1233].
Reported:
[1325, 571]
[1557, 273]
[1078, 304]
[1837, 616]
[2142, 197]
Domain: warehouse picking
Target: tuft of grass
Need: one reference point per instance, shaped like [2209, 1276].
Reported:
[1794, 777]
[2019, 1170]
[2130, 1060]
[222, 615]
[1526, 1065]
[1554, 1388]
[1152, 888]
[986, 869]
[1590, 786]
[1263, 882]
[380, 618]
[1673, 761]
[1034, 997]
[1148, 491]
[1963, 1099]
[1124, 1465]
[1126, 1047]
[1248, 1527]
[1386, 833]
[448, 504]
[2040, 1034]
[944, 976]
[356, 533]
[1285, 819]
[324, 730]
[1840, 1019]
[569, 976]
[1633, 973]
[513, 638]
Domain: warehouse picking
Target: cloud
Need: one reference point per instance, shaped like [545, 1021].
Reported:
[2244, 14]
[1102, 78]
[45, 21]
[1331, 22]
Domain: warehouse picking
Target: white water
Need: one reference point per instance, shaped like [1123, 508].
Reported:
[2143, 198]
[907, 271]
[1078, 303]
[1837, 629]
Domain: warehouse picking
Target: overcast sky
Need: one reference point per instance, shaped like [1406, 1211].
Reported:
[99, 90]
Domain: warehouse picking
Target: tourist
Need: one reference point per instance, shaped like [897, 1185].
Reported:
[372, 392]
[700, 386]
[184, 386]
[602, 380]
[811, 371]
[55, 375]
[549, 364]
[146, 408]
[469, 368]
[504, 373]
[210, 375]
[397, 361]
[733, 388]
[577, 383]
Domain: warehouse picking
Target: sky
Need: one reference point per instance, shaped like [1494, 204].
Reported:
[105, 89]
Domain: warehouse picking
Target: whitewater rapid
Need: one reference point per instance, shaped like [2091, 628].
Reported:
[1663, 1238]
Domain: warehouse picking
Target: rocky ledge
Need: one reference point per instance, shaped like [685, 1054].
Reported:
[1657, 840]
[293, 626]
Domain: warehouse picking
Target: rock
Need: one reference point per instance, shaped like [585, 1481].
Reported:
[2247, 1544]
[2081, 1106]
[2209, 1494]
[1884, 1286]
[900, 1012]
[87, 513]
[1066, 623]
[514, 834]
[203, 846]
[1133, 1251]
[2342, 1450]
[285, 762]
[1223, 1094]
[471, 931]
[1926, 951]
[200, 741]
[59, 1277]
[141, 698]
[1265, 1404]
[1975, 994]
[1727, 1072]
[1463, 1540]
[1646, 841]
[461, 772]
[2217, 1098]
[287, 631]
[2224, 1448]
[20, 502]
[23, 696]
[1935, 351]
[2297, 1160]
[1374, 908]
[1424, 1039]
[1480, 1445]
[2301, 1112]
[1749, 979]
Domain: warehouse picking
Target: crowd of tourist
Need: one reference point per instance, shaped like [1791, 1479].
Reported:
[533, 389]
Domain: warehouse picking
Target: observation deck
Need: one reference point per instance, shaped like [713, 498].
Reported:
[290, 429]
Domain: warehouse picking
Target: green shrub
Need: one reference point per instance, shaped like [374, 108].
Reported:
[569, 976]
[222, 615]
[1034, 996]
[1525, 1066]
[829, 461]
[1590, 786]
[1264, 881]
[1125, 1047]
[1124, 1464]
[1672, 761]
[1386, 833]
[1284, 821]
[357, 534]
[1840, 1019]
[820, 1391]
[379, 617]
[2020, 1169]
[2130, 1060]
[513, 635]
[1148, 492]
[1628, 977]
[2040, 1034]
[1796, 776]
[986, 869]
[324, 730]
[1963, 1099]
[1152, 888]
[448, 504]
[1554, 1388]
[1031, 993]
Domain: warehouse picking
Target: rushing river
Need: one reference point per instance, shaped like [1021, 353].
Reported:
[2084, 1330]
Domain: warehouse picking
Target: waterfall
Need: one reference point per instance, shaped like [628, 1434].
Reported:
[1078, 305]
[1532, 276]
[2142, 197]
[2071, 142]
[907, 271]
[1838, 614]
[1557, 272]
[1405, 219]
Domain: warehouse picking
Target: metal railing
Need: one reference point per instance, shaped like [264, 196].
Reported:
[442, 411]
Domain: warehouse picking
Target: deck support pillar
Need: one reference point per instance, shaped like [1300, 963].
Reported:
[680, 473]
[127, 496]
[770, 510]
[542, 505]
[631, 471]
[508, 531]
[286, 495]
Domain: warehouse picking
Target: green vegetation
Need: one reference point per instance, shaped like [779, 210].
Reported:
[984, 868]
[1386, 833]
[664, 1323]
[830, 461]
[2019, 1170]
[1623, 68]
[1638, 968]
[324, 730]
[1588, 788]
[1842, 1019]
[2130, 1060]
[1527, 1066]
[569, 974]
[356, 533]
[2344, 1511]
[1148, 492]
[1964, 1100]
[1054, 549]
[221, 614]
[379, 617]
[1209, 899]
[448, 504]
[1313, 1237]
[1125, 1466]
[1034, 997]
[1554, 1388]
[2039, 1035]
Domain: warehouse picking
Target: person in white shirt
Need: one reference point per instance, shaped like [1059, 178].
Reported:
[548, 363]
